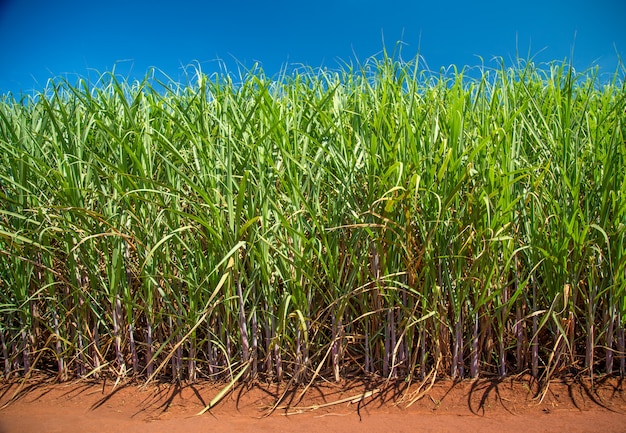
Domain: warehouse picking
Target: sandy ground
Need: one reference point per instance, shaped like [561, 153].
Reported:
[352, 406]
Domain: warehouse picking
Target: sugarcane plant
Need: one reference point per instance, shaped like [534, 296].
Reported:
[378, 219]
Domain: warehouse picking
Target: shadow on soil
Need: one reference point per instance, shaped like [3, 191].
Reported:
[357, 394]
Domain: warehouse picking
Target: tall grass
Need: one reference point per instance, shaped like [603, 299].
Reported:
[378, 219]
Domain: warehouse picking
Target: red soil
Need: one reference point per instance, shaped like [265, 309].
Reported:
[482, 405]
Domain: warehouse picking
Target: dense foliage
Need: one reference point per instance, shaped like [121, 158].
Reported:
[378, 219]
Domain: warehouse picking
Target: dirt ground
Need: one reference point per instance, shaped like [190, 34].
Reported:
[483, 405]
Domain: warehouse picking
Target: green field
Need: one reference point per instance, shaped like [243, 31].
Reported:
[378, 219]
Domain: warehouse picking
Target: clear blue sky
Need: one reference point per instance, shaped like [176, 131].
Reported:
[40, 39]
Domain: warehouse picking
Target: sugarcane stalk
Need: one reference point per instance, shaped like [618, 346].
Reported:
[5, 354]
[474, 363]
[610, 319]
[243, 328]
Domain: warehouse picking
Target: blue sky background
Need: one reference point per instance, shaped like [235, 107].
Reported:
[41, 39]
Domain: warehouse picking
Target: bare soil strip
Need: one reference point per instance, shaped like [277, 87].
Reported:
[512, 405]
